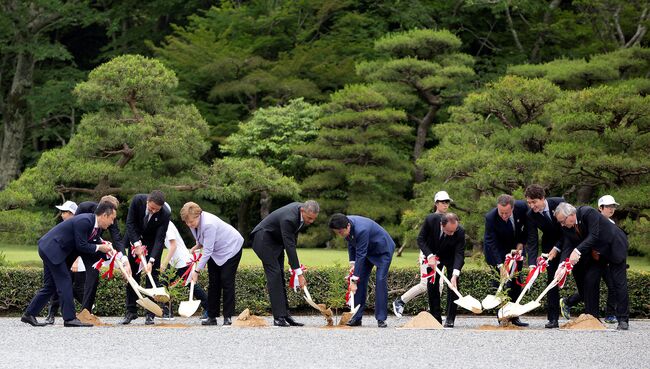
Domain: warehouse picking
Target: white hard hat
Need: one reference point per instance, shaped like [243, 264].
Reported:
[441, 196]
[607, 200]
[70, 206]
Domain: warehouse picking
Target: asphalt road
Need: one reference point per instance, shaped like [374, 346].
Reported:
[312, 346]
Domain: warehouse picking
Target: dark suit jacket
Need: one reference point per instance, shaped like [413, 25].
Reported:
[499, 237]
[153, 234]
[68, 237]
[89, 207]
[551, 231]
[367, 238]
[450, 249]
[596, 233]
[282, 226]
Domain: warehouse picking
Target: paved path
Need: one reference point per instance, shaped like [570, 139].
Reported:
[195, 346]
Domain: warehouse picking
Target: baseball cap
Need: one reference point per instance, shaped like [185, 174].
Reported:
[70, 206]
[607, 200]
[441, 196]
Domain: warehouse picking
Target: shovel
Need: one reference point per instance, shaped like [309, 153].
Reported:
[188, 308]
[510, 310]
[492, 301]
[353, 309]
[142, 301]
[466, 302]
[535, 303]
[309, 300]
[158, 293]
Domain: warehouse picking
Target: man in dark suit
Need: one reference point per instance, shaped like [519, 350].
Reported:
[506, 229]
[368, 244]
[146, 226]
[540, 216]
[92, 274]
[597, 241]
[69, 238]
[442, 241]
[274, 235]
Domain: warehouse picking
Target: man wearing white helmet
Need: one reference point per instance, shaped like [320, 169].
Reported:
[606, 206]
[441, 201]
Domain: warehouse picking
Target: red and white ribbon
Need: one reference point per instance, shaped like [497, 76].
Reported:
[432, 273]
[137, 258]
[194, 259]
[110, 264]
[511, 262]
[568, 266]
[348, 292]
[293, 280]
[535, 271]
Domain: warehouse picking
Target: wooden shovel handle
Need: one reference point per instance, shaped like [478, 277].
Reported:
[448, 283]
[132, 281]
[144, 263]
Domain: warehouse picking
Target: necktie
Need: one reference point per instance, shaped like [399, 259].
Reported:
[511, 223]
[93, 233]
[146, 218]
[547, 214]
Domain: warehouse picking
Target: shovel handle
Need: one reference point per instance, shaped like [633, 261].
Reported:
[144, 262]
[448, 283]
[132, 281]
[192, 282]
[548, 288]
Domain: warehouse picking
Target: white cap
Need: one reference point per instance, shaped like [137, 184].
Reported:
[70, 206]
[441, 196]
[607, 200]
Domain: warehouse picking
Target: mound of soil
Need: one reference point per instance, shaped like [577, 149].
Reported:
[327, 314]
[504, 325]
[345, 318]
[424, 320]
[584, 322]
[86, 317]
[245, 319]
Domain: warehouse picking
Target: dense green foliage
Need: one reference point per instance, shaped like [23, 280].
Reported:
[326, 285]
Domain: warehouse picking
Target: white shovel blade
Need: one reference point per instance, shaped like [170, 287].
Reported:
[188, 308]
[490, 302]
[523, 309]
[150, 305]
[160, 294]
[470, 303]
[353, 309]
[146, 291]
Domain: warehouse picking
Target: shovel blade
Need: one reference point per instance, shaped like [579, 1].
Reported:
[523, 309]
[160, 294]
[354, 311]
[150, 306]
[146, 291]
[509, 310]
[470, 303]
[188, 308]
[490, 302]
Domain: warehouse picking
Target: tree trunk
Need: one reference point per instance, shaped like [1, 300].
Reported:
[15, 118]
[420, 139]
[265, 204]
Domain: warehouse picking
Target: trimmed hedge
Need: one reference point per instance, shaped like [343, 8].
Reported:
[326, 285]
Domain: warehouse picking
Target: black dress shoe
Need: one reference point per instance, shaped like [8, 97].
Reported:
[623, 325]
[49, 319]
[280, 322]
[128, 317]
[382, 324]
[76, 323]
[552, 324]
[449, 324]
[210, 321]
[292, 321]
[354, 323]
[30, 319]
[149, 320]
[518, 322]
[227, 321]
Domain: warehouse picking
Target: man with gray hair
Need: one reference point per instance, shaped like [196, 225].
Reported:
[592, 240]
[274, 235]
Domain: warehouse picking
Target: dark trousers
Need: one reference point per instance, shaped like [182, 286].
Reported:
[618, 273]
[272, 257]
[56, 279]
[553, 297]
[611, 293]
[513, 288]
[92, 279]
[433, 291]
[199, 293]
[78, 281]
[131, 296]
[587, 273]
[222, 280]
[382, 263]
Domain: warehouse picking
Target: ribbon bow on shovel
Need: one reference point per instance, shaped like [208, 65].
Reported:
[109, 263]
[349, 295]
[510, 264]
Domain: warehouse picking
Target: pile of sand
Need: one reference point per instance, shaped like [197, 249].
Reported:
[584, 322]
[424, 320]
[504, 325]
[86, 317]
[245, 319]
[345, 318]
[327, 313]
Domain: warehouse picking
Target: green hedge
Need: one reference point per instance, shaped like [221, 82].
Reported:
[326, 284]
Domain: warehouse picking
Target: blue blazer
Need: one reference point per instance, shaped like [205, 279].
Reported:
[551, 231]
[500, 237]
[367, 238]
[72, 235]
